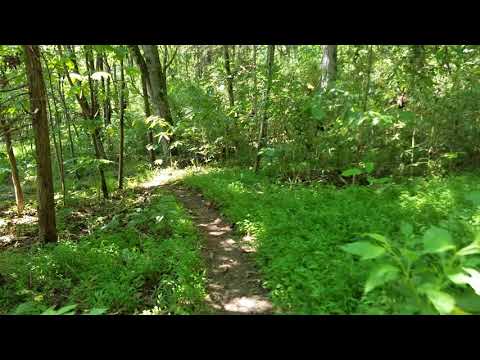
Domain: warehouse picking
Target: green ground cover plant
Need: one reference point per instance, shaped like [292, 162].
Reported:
[302, 232]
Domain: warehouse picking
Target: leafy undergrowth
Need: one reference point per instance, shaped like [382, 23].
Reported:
[145, 259]
[300, 231]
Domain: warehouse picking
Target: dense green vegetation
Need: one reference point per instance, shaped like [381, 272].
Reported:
[355, 167]
[300, 231]
[142, 259]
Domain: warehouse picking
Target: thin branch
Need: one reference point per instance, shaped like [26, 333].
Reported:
[165, 56]
[10, 130]
[15, 88]
[171, 59]
[13, 97]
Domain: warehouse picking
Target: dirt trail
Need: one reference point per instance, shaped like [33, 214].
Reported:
[233, 285]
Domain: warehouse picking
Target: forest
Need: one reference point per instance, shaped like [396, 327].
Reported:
[239, 179]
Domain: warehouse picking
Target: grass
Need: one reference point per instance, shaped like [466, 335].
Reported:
[299, 229]
[130, 255]
[137, 257]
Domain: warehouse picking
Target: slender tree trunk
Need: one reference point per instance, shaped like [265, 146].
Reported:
[229, 84]
[199, 63]
[94, 111]
[107, 112]
[115, 87]
[369, 75]
[67, 117]
[105, 90]
[38, 106]
[146, 89]
[158, 96]
[55, 146]
[229, 77]
[329, 67]
[122, 124]
[69, 127]
[19, 199]
[262, 137]
[58, 146]
[255, 88]
[234, 57]
[88, 113]
[94, 103]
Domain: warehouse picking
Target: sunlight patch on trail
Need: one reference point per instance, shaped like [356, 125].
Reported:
[168, 175]
[164, 176]
[252, 304]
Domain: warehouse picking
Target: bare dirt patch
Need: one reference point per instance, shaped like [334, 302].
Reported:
[234, 285]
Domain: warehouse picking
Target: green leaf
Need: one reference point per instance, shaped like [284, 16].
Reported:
[66, 310]
[352, 172]
[49, 311]
[473, 197]
[97, 311]
[469, 302]
[406, 229]
[473, 248]
[437, 240]
[364, 249]
[381, 275]
[378, 237]
[369, 167]
[443, 302]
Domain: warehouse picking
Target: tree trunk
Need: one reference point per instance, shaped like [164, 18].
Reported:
[369, 75]
[158, 86]
[146, 90]
[108, 110]
[55, 147]
[94, 111]
[262, 137]
[94, 103]
[255, 90]
[229, 77]
[38, 107]
[59, 147]
[88, 113]
[328, 67]
[19, 199]
[69, 122]
[255, 87]
[122, 124]
[105, 89]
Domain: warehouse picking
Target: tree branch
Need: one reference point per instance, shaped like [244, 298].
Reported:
[13, 97]
[171, 59]
[15, 88]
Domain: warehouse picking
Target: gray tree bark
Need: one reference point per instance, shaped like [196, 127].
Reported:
[146, 90]
[158, 90]
[328, 67]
